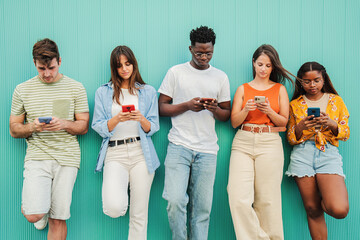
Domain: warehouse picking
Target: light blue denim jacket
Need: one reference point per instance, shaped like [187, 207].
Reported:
[148, 106]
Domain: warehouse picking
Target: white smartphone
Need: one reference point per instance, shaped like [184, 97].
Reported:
[259, 99]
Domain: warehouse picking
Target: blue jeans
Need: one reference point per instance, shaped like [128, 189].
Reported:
[189, 175]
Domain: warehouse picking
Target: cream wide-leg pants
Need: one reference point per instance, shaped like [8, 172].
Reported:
[254, 187]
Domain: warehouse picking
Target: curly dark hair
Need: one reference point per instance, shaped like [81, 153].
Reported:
[202, 34]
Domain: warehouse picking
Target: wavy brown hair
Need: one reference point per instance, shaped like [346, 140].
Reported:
[312, 66]
[115, 77]
[45, 51]
[278, 74]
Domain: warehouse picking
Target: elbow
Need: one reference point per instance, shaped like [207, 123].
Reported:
[234, 124]
[13, 134]
[85, 131]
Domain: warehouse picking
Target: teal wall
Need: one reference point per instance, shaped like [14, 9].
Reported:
[327, 31]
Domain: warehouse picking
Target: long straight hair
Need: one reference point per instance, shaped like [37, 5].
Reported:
[115, 77]
[312, 66]
[278, 74]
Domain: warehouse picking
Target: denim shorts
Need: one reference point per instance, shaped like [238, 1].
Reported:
[307, 160]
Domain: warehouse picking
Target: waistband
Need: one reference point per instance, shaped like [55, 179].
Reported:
[123, 141]
[262, 129]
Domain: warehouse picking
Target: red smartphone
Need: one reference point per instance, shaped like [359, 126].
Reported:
[203, 100]
[128, 108]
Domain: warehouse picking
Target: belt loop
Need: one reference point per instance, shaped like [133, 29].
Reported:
[242, 125]
[269, 128]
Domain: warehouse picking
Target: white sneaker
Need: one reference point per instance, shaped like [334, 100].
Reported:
[41, 224]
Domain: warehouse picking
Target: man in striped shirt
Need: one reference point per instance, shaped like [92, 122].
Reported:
[53, 153]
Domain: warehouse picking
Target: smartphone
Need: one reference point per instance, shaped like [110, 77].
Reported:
[45, 119]
[203, 100]
[259, 99]
[313, 111]
[128, 108]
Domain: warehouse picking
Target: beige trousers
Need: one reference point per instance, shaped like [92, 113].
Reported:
[125, 167]
[254, 188]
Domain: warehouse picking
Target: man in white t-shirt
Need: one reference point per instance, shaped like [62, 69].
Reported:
[193, 94]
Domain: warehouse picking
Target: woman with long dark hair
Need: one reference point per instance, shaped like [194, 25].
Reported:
[315, 161]
[260, 110]
[126, 116]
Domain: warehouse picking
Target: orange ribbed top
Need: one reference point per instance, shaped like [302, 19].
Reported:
[257, 117]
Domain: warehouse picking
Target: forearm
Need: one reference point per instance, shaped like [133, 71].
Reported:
[222, 114]
[20, 130]
[145, 124]
[238, 118]
[78, 127]
[335, 130]
[112, 123]
[277, 119]
[172, 110]
[298, 132]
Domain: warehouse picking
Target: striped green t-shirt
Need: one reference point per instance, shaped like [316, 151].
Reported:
[61, 99]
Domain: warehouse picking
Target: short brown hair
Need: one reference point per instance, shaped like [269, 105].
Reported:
[45, 51]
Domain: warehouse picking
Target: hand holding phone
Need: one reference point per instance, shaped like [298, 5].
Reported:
[203, 100]
[128, 108]
[45, 120]
[313, 111]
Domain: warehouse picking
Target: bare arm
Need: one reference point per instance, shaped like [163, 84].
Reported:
[279, 119]
[166, 109]
[238, 115]
[77, 127]
[20, 130]
[220, 111]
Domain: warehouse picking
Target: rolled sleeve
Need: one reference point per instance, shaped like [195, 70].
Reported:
[153, 113]
[291, 136]
[343, 122]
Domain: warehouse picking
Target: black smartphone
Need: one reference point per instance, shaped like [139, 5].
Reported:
[313, 111]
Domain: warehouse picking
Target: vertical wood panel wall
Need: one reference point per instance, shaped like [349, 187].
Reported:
[327, 31]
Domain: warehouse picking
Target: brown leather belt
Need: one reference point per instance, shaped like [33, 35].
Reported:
[255, 129]
[123, 141]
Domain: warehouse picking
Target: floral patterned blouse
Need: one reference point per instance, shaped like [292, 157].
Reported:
[336, 110]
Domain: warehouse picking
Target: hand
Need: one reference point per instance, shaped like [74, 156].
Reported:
[37, 126]
[210, 105]
[325, 120]
[250, 105]
[56, 124]
[195, 105]
[264, 107]
[123, 116]
[307, 123]
[136, 115]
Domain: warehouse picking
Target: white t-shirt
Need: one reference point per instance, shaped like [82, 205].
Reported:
[126, 129]
[195, 130]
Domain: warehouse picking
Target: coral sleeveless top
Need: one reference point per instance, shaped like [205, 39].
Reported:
[257, 117]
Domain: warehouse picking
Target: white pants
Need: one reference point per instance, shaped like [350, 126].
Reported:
[125, 164]
[254, 188]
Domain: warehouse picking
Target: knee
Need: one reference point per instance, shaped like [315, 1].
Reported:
[33, 218]
[313, 211]
[115, 210]
[338, 212]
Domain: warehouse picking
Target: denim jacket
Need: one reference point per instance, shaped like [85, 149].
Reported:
[148, 106]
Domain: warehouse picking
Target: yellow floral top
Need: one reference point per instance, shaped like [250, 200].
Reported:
[336, 110]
